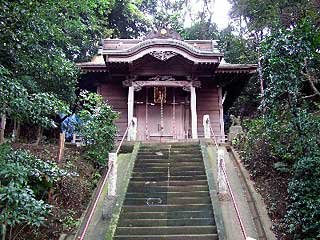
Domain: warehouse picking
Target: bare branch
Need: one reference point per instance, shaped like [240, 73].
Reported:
[310, 79]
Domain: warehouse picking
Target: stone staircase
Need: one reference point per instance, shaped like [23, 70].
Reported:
[168, 195]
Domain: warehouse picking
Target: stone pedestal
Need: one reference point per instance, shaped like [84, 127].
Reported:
[234, 131]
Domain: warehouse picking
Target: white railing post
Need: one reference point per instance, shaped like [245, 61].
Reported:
[112, 183]
[206, 126]
[132, 134]
[222, 183]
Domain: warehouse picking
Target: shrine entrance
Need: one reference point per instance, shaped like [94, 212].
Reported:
[163, 113]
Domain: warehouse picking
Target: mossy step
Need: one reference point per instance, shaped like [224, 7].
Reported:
[167, 194]
[167, 183]
[166, 222]
[152, 156]
[171, 200]
[166, 230]
[149, 167]
[172, 168]
[172, 149]
[168, 215]
[171, 178]
[169, 237]
[140, 187]
[167, 208]
[173, 173]
[165, 160]
[185, 156]
[165, 164]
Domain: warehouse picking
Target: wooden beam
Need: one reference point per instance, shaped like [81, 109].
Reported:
[139, 84]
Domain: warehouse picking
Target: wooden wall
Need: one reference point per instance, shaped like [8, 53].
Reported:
[117, 96]
[208, 102]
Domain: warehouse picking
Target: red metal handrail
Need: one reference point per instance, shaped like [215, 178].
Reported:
[110, 166]
[95, 203]
[214, 137]
[123, 137]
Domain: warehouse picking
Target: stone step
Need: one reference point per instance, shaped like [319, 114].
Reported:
[171, 178]
[167, 145]
[160, 167]
[168, 215]
[172, 155]
[166, 222]
[171, 200]
[171, 150]
[169, 237]
[166, 160]
[167, 194]
[140, 187]
[172, 173]
[168, 184]
[167, 208]
[172, 169]
[166, 230]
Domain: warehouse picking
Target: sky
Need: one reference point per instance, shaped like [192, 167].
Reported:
[220, 16]
[221, 10]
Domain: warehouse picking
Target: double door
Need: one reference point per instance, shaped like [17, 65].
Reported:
[163, 120]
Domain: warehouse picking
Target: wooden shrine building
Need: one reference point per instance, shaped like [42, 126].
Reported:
[167, 83]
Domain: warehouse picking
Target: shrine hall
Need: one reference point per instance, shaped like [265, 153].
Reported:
[167, 84]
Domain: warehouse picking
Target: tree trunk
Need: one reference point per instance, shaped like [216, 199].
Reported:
[2, 128]
[16, 130]
[3, 231]
[39, 136]
[260, 77]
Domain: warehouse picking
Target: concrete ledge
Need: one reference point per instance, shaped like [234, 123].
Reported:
[257, 207]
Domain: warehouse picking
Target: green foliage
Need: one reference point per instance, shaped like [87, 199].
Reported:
[128, 19]
[70, 223]
[19, 205]
[98, 129]
[254, 145]
[22, 176]
[41, 40]
[303, 215]
[291, 120]
[37, 108]
[201, 30]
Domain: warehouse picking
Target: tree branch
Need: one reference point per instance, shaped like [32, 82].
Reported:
[310, 79]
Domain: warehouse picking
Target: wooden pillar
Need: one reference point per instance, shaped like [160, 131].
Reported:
[130, 104]
[221, 115]
[62, 140]
[193, 106]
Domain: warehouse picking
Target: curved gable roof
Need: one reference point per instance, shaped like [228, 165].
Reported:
[150, 46]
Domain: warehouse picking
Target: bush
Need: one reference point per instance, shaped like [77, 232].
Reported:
[254, 146]
[98, 128]
[24, 180]
[303, 214]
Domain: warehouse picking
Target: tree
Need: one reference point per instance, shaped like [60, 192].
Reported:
[292, 121]
[40, 43]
